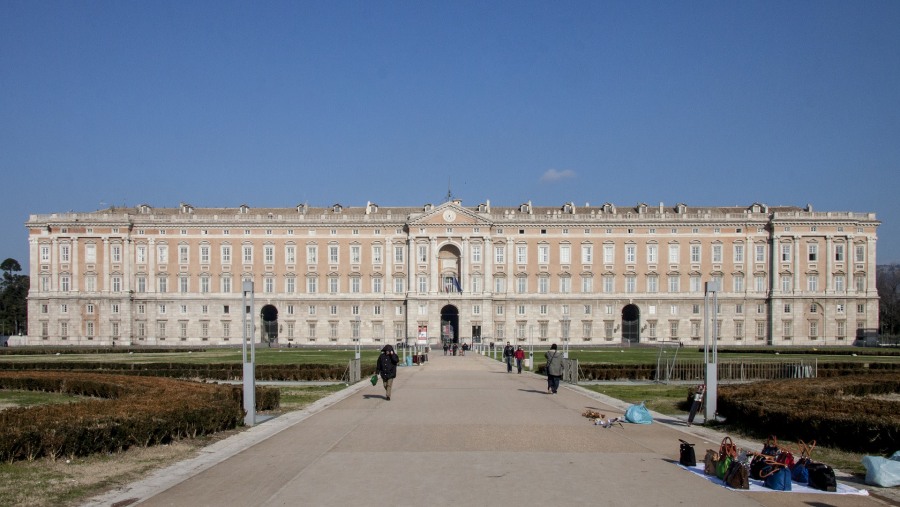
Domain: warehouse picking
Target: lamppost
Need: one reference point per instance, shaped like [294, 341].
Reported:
[709, 341]
[358, 332]
[249, 357]
[531, 346]
[565, 330]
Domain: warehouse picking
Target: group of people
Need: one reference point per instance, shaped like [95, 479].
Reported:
[386, 367]
[455, 349]
[554, 364]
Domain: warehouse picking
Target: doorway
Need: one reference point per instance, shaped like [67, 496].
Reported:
[269, 316]
[449, 325]
[631, 324]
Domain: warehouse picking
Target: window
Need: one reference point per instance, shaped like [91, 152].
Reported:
[609, 254]
[695, 254]
[785, 253]
[859, 282]
[422, 253]
[332, 285]
[521, 285]
[786, 283]
[738, 253]
[269, 254]
[717, 253]
[812, 252]
[812, 283]
[476, 254]
[116, 283]
[162, 253]
[423, 283]
[760, 283]
[355, 254]
[788, 329]
[630, 283]
[499, 255]
[290, 285]
[565, 254]
[377, 256]
[674, 254]
[377, 285]
[543, 254]
[587, 285]
[226, 254]
[90, 283]
[587, 254]
[312, 254]
[652, 283]
[90, 253]
[695, 284]
[183, 254]
[333, 254]
[398, 285]
[652, 254]
[565, 285]
[521, 254]
[247, 254]
[500, 285]
[398, 254]
[760, 253]
[116, 253]
[839, 253]
[630, 254]
[226, 284]
[609, 284]
[839, 283]
[162, 284]
[355, 285]
[543, 285]
[45, 253]
[738, 283]
[674, 284]
[787, 308]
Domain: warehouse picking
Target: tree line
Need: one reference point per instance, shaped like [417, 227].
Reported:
[13, 299]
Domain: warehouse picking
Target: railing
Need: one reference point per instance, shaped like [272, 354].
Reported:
[737, 370]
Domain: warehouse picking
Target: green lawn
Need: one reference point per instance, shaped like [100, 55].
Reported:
[223, 355]
[10, 399]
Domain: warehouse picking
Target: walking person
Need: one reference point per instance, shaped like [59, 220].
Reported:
[520, 356]
[508, 353]
[554, 369]
[387, 368]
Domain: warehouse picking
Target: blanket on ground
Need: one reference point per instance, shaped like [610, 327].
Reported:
[757, 486]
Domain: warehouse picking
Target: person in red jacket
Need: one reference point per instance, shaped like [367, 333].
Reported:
[520, 356]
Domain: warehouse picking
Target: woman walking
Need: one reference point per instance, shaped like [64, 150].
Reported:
[554, 369]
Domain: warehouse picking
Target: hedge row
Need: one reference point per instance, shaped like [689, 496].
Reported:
[831, 351]
[127, 411]
[842, 412]
[217, 371]
[36, 351]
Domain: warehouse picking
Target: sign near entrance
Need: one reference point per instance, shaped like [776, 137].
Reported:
[422, 338]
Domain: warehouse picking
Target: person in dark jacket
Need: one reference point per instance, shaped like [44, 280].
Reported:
[554, 369]
[508, 353]
[387, 368]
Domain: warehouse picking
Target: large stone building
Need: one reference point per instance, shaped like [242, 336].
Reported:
[589, 275]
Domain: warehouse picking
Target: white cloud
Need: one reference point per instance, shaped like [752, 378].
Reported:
[554, 175]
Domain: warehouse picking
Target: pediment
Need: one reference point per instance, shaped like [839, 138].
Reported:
[450, 214]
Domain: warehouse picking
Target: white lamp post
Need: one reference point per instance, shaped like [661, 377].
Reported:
[565, 330]
[357, 338]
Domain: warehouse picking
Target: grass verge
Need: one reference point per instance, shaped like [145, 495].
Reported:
[63, 483]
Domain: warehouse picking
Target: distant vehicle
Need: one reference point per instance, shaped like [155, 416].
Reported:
[867, 337]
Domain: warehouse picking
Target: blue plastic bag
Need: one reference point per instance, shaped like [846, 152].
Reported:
[638, 414]
[882, 472]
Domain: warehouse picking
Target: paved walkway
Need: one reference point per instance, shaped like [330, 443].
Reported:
[458, 431]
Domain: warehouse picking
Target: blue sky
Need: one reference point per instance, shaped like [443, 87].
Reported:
[276, 103]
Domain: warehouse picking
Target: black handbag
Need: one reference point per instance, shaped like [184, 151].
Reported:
[821, 477]
[688, 458]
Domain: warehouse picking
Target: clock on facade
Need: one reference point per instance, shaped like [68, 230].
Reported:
[449, 215]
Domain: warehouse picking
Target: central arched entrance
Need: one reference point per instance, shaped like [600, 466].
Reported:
[449, 325]
[269, 316]
[631, 323]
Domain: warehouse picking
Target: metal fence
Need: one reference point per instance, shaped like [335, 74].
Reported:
[570, 371]
[737, 370]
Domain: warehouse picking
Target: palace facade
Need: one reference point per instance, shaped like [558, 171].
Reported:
[338, 275]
